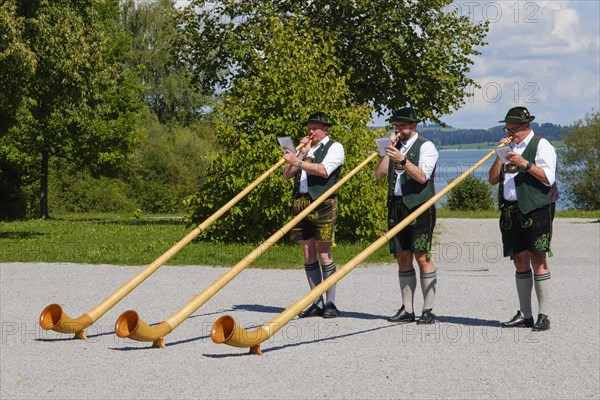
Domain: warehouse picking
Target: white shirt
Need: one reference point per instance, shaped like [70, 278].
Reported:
[428, 157]
[545, 158]
[333, 159]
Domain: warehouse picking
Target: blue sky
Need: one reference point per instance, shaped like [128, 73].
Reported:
[544, 55]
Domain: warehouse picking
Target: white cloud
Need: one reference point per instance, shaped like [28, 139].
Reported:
[565, 23]
[544, 55]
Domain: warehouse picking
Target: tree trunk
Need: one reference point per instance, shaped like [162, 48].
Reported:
[44, 185]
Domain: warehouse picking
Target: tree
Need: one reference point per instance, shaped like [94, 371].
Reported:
[293, 75]
[79, 102]
[168, 91]
[393, 52]
[17, 65]
[580, 169]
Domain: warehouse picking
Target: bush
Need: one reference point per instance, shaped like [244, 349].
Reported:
[471, 194]
[74, 190]
[169, 165]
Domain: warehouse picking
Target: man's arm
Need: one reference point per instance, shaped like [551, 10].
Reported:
[333, 160]
[494, 172]
[291, 158]
[428, 157]
[381, 169]
[496, 169]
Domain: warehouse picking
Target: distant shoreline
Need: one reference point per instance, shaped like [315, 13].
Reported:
[442, 149]
[487, 146]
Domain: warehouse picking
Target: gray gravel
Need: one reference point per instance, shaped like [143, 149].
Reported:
[359, 355]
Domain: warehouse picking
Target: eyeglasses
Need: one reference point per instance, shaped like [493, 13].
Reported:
[513, 130]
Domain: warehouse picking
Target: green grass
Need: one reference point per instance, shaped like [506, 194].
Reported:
[124, 240]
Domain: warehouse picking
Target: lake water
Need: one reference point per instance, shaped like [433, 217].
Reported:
[453, 163]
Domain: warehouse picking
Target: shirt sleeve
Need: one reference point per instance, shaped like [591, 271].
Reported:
[545, 159]
[428, 158]
[334, 158]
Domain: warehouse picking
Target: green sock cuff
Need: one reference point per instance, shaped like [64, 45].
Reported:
[543, 277]
[311, 267]
[406, 274]
[523, 275]
[328, 268]
[429, 275]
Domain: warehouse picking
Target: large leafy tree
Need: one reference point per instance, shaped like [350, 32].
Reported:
[17, 65]
[580, 162]
[395, 52]
[293, 75]
[171, 159]
[79, 101]
[275, 62]
[168, 91]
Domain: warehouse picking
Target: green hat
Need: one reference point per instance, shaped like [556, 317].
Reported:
[405, 114]
[518, 115]
[319, 117]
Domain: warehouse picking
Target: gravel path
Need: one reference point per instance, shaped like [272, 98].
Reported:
[357, 356]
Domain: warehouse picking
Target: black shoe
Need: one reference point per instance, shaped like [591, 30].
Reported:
[331, 311]
[542, 323]
[402, 316]
[518, 321]
[427, 317]
[312, 311]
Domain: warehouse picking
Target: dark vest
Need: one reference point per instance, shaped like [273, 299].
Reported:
[531, 193]
[317, 185]
[413, 192]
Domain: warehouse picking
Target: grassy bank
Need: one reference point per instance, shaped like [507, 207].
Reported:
[125, 240]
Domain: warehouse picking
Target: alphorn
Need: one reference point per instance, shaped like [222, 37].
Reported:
[54, 318]
[130, 325]
[226, 330]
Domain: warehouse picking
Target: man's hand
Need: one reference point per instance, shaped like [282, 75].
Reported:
[307, 144]
[505, 141]
[290, 157]
[516, 159]
[394, 154]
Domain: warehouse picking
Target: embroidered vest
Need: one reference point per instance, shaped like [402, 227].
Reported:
[413, 192]
[531, 193]
[317, 185]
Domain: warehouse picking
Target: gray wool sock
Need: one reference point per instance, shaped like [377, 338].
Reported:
[542, 287]
[328, 270]
[524, 285]
[408, 284]
[428, 283]
[313, 273]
